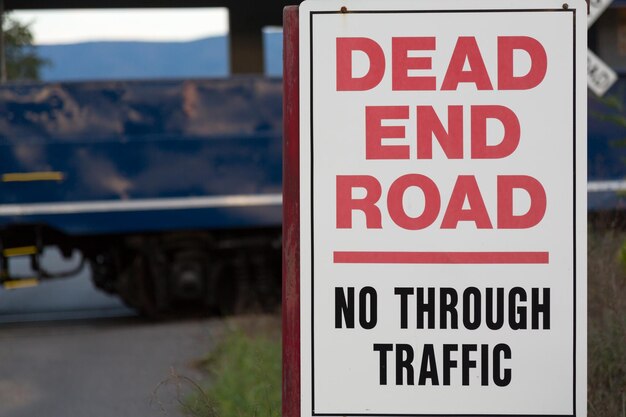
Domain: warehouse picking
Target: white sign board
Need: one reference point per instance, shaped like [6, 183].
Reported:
[443, 208]
[600, 77]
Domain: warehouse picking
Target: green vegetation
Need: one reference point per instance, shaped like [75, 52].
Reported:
[245, 379]
[607, 324]
[22, 61]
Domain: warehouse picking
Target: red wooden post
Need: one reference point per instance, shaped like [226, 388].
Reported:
[291, 214]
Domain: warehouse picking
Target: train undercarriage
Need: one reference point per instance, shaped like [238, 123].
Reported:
[162, 274]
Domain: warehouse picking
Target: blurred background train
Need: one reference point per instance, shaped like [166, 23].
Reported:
[170, 188]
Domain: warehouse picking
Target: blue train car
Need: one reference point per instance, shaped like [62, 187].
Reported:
[607, 151]
[607, 116]
[170, 189]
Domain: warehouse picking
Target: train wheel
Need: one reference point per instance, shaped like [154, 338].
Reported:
[136, 287]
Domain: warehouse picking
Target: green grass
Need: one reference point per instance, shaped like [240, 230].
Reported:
[245, 379]
[607, 324]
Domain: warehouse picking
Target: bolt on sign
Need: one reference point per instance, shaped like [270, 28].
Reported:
[443, 208]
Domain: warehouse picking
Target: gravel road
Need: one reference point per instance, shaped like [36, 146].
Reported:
[101, 368]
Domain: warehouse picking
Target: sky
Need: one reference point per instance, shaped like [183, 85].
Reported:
[71, 26]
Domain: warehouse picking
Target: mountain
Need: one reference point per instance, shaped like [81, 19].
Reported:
[104, 60]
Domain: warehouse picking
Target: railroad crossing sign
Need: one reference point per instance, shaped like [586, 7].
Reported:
[600, 77]
[596, 8]
[442, 208]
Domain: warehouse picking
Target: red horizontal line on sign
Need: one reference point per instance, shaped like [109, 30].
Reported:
[345, 257]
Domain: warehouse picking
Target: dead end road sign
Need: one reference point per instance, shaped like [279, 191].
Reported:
[435, 208]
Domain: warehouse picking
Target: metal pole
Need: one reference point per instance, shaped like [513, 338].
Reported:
[291, 214]
[3, 61]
